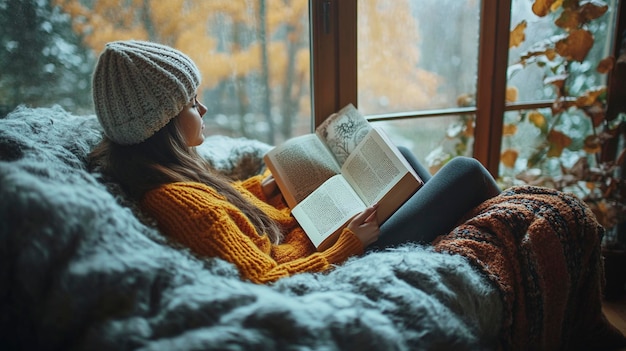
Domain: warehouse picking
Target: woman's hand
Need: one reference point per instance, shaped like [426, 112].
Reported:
[365, 226]
[269, 186]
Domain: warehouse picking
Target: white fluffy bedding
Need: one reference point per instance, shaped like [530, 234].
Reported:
[81, 269]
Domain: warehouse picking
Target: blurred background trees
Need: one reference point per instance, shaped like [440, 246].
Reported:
[42, 61]
[254, 56]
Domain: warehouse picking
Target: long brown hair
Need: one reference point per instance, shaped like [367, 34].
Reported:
[166, 158]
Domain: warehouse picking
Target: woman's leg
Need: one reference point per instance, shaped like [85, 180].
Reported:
[435, 209]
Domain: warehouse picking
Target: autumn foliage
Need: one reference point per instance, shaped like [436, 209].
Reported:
[592, 176]
[253, 55]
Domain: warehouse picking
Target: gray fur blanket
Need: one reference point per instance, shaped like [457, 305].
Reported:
[82, 269]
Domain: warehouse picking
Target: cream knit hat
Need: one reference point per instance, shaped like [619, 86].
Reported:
[138, 87]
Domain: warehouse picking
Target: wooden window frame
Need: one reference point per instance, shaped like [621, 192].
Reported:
[334, 72]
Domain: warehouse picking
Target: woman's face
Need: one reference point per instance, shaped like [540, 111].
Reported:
[190, 122]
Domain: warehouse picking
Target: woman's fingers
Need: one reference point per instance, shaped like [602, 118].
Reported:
[365, 226]
[268, 184]
[367, 215]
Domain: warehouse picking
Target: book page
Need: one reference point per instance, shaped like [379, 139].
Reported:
[300, 165]
[371, 169]
[379, 173]
[327, 210]
[343, 131]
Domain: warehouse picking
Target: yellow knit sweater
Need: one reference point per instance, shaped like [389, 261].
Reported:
[200, 218]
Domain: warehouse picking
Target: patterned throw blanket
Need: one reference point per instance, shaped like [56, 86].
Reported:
[542, 249]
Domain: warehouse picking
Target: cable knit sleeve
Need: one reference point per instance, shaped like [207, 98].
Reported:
[253, 185]
[196, 216]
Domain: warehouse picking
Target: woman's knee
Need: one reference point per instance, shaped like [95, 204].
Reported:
[466, 165]
[475, 173]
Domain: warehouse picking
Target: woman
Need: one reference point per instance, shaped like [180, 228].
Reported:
[145, 98]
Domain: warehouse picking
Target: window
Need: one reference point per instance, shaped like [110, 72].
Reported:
[472, 109]
[254, 55]
[420, 56]
[531, 116]
[434, 73]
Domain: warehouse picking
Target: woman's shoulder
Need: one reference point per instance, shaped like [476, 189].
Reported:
[182, 189]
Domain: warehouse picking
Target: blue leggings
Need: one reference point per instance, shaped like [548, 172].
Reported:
[440, 203]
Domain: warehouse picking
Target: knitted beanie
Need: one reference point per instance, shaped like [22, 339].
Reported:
[139, 86]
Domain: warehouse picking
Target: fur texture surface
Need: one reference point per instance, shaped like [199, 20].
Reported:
[81, 269]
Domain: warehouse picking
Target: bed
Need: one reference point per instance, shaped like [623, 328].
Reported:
[83, 269]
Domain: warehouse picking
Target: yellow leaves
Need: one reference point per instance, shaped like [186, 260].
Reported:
[303, 62]
[509, 129]
[509, 157]
[555, 5]
[542, 8]
[221, 36]
[518, 35]
[576, 45]
[511, 94]
[244, 61]
[537, 119]
[558, 141]
[550, 54]
[72, 7]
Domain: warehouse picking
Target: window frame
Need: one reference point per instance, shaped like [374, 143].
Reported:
[334, 72]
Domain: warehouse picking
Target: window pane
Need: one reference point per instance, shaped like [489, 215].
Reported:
[531, 60]
[557, 55]
[254, 55]
[433, 140]
[416, 55]
[527, 144]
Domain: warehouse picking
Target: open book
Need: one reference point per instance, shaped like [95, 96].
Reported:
[329, 176]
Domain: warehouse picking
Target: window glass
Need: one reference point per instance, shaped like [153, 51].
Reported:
[433, 140]
[539, 143]
[254, 55]
[416, 55]
[531, 59]
[558, 53]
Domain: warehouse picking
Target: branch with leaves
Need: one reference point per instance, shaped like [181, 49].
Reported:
[596, 180]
